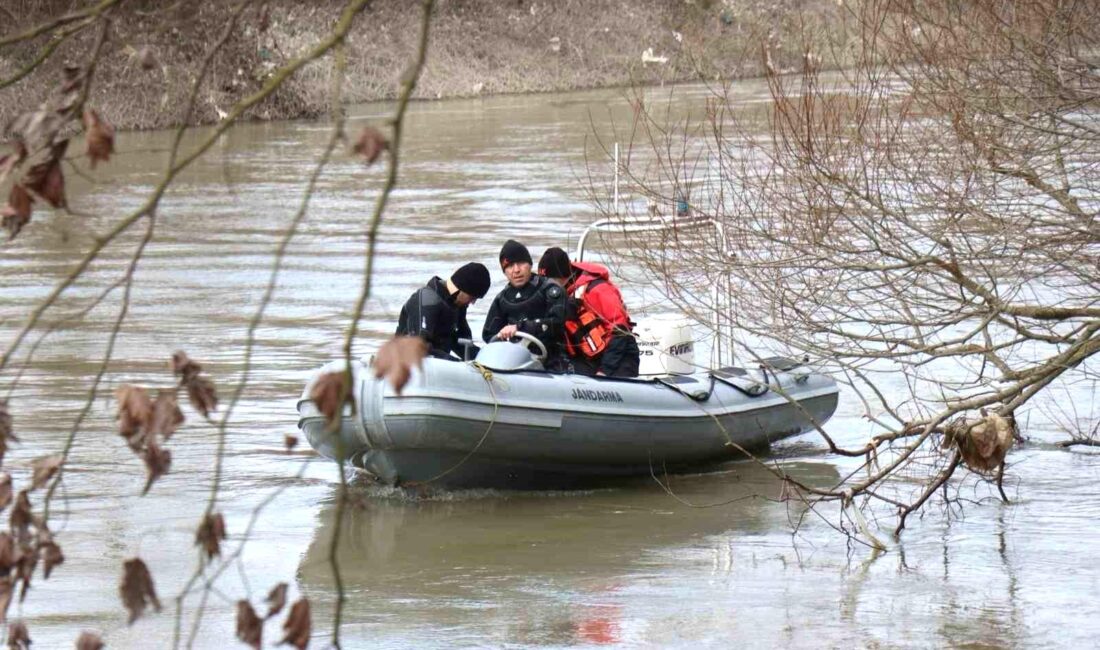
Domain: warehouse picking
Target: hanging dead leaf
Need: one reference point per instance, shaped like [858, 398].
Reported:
[137, 590]
[183, 366]
[6, 434]
[89, 641]
[9, 554]
[51, 556]
[298, 625]
[157, 462]
[290, 442]
[167, 415]
[9, 161]
[370, 144]
[21, 516]
[44, 469]
[17, 212]
[329, 394]
[100, 137]
[250, 628]
[5, 490]
[7, 589]
[24, 568]
[134, 410]
[397, 357]
[204, 398]
[276, 599]
[18, 636]
[210, 534]
[46, 178]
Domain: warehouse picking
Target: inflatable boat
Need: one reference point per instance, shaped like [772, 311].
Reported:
[502, 421]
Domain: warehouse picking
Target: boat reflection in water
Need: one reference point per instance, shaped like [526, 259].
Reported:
[493, 567]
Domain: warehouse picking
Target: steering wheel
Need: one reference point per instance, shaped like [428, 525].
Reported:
[528, 340]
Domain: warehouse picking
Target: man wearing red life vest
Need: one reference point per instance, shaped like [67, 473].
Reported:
[598, 333]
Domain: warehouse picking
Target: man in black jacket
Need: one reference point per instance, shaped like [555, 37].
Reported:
[530, 303]
[437, 312]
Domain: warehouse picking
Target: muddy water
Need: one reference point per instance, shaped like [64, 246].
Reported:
[629, 566]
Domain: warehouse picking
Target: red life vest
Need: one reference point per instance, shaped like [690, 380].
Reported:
[589, 333]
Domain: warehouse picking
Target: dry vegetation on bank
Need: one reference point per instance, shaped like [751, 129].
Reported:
[478, 47]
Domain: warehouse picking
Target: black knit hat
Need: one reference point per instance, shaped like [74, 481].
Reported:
[513, 252]
[473, 278]
[554, 263]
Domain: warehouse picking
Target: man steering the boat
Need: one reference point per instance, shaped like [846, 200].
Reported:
[598, 336]
[531, 304]
[437, 311]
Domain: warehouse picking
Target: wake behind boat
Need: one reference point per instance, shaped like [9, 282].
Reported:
[502, 421]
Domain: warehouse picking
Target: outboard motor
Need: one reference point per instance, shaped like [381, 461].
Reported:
[503, 355]
[667, 346]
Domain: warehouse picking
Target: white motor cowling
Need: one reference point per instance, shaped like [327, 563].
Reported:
[667, 345]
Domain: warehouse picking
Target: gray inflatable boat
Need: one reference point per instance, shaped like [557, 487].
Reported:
[502, 421]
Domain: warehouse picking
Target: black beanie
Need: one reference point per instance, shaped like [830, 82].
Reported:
[473, 278]
[554, 263]
[513, 252]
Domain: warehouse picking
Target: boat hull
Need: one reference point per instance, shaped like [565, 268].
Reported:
[457, 425]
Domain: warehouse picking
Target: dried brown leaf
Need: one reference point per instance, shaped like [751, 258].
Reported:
[48, 181]
[289, 441]
[6, 434]
[89, 641]
[200, 390]
[51, 556]
[250, 628]
[397, 357]
[17, 212]
[44, 469]
[276, 599]
[167, 415]
[7, 589]
[9, 553]
[5, 490]
[24, 568]
[137, 590]
[329, 394]
[298, 625]
[21, 516]
[370, 144]
[157, 462]
[18, 636]
[134, 410]
[183, 366]
[11, 160]
[204, 398]
[210, 534]
[100, 137]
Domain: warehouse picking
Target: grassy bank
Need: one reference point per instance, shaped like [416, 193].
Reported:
[478, 47]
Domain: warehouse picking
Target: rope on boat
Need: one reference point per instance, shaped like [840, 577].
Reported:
[697, 396]
[489, 377]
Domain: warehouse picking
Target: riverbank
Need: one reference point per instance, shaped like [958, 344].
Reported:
[478, 47]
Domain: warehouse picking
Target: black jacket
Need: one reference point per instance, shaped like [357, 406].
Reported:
[431, 313]
[537, 308]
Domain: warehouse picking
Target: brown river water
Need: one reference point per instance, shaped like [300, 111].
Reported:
[625, 566]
